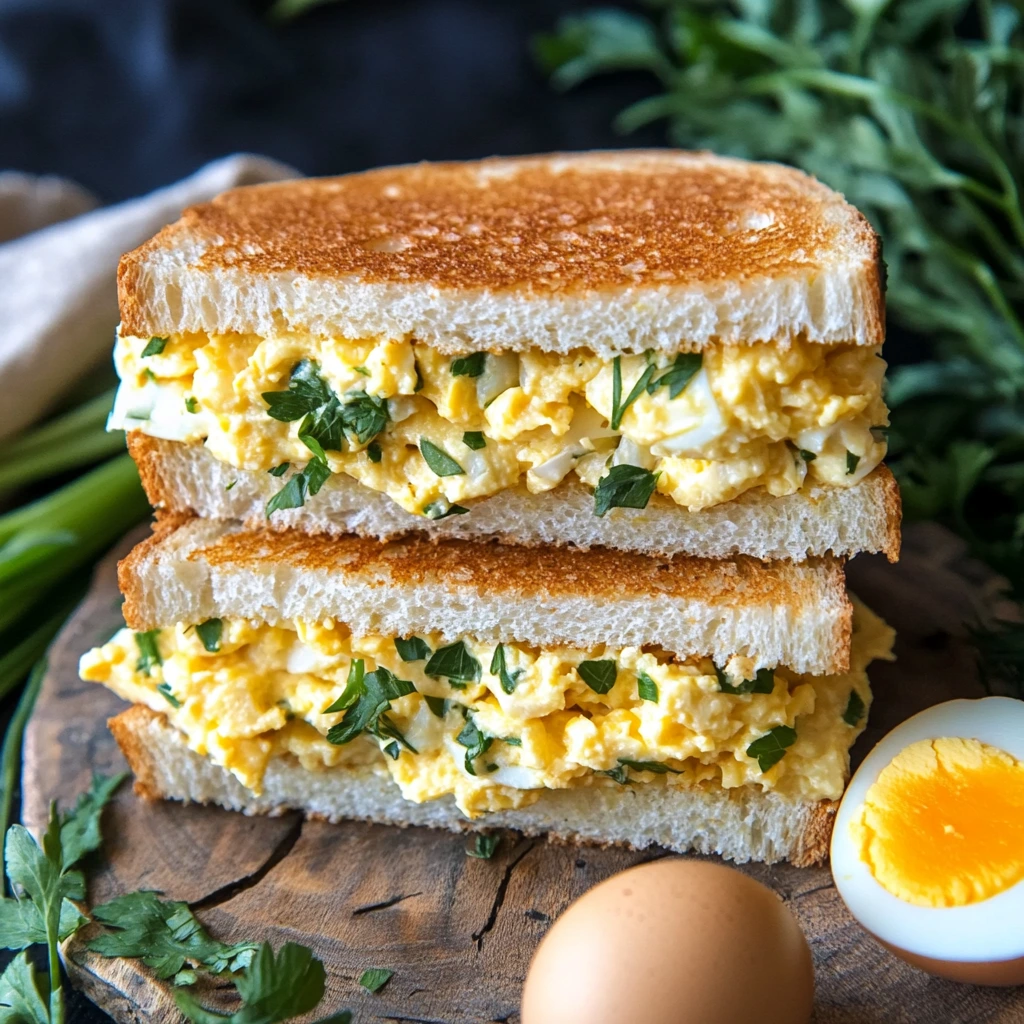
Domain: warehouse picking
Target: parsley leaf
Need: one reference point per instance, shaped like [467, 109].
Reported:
[598, 675]
[353, 687]
[763, 682]
[771, 748]
[439, 460]
[646, 687]
[149, 651]
[484, 845]
[619, 774]
[364, 415]
[209, 632]
[373, 452]
[438, 705]
[191, 404]
[475, 742]
[21, 993]
[469, 366]
[165, 691]
[454, 663]
[624, 486]
[307, 392]
[413, 649]
[293, 494]
[164, 935]
[854, 709]
[154, 347]
[657, 767]
[367, 699]
[279, 470]
[500, 669]
[678, 375]
[373, 979]
[852, 461]
[474, 439]
[442, 510]
[807, 456]
[618, 406]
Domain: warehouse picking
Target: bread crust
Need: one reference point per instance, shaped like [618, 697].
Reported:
[557, 226]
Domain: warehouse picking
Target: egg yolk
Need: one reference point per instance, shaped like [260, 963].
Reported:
[943, 825]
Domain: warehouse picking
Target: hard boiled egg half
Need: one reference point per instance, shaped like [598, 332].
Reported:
[928, 845]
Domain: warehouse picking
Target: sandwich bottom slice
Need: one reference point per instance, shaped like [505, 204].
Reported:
[604, 742]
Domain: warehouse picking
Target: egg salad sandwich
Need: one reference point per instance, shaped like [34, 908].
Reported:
[599, 696]
[660, 352]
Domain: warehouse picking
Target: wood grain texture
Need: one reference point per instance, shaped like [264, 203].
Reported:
[459, 932]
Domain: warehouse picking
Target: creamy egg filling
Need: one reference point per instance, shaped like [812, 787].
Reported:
[432, 431]
[493, 725]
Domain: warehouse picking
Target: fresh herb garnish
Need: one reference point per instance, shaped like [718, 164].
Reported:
[657, 767]
[293, 494]
[362, 370]
[366, 700]
[763, 682]
[373, 979]
[373, 451]
[149, 651]
[512, 741]
[438, 705]
[209, 632]
[618, 406]
[807, 456]
[453, 663]
[646, 687]
[439, 460]
[852, 461]
[500, 669]
[771, 748]
[154, 347]
[678, 375]
[412, 649]
[475, 742]
[279, 470]
[469, 366]
[484, 845]
[164, 689]
[474, 439]
[442, 510]
[598, 675]
[191, 404]
[363, 416]
[854, 709]
[624, 486]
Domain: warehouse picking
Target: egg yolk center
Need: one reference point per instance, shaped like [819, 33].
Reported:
[943, 825]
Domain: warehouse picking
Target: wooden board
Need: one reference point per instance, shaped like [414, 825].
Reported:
[459, 932]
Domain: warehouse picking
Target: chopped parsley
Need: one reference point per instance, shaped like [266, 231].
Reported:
[373, 979]
[474, 439]
[164, 689]
[500, 669]
[149, 651]
[413, 649]
[442, 510]
[598, 675]
[807, 456]
[678, 375]
[438, 705]
[454, 663]
[770, 748]
[852, 461]
[484, 845]
[649, 766]
[154, 347]
[293, 494]
[439, 460]
[209, 632]
[191, 404]
[624, 486]
[373, 452]
[279, 470]
[469, 366]
[646, 687]
[512, 741]
[230, 485]
[618, 406]
[854, 709]
[366, 700]
[362, 369]
[763, 682]
[475, 742]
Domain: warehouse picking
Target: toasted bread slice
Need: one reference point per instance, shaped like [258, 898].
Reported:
[616, 252]
[741, 824]
[777, 613]
[187, 478]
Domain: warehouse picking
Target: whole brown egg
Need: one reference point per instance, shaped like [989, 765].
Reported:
[672, 942]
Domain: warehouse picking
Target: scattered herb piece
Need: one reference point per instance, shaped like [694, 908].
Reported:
[230, 485]
[646, 687]
[154, 347]
[619, 774]
[149, 651]
[678, 375]
[807, 456]
[453, 663]
[512, 741]
[852, 461]
[500, 669]
[657, 767]
[373, 979]
[363, 415]
[279, 470]
[618, 406]
[373, 452]
[763, 682]
[484, 845]
[439, 460]
[412, 649]
[362, 369]
[854, 709]
[624, 486]
[209, 632]
[474, 439]
[442, 510]
[366, 700]
[475, 742]
[469, 366]
[438, 705]
[598, 675]
[771, 748]
[164, 689]
[191, 404]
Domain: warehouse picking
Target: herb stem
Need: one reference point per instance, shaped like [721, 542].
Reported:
[91, 415]
[20, 658]
[89, 446]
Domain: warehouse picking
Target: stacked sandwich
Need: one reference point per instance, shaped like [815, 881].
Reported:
[512, 493]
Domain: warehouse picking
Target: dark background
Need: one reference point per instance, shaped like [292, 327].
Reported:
[124, 96]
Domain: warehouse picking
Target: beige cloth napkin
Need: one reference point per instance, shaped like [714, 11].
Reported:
[58, 267]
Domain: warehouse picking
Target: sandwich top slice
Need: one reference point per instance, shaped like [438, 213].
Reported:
[595, 695]
[633, 326]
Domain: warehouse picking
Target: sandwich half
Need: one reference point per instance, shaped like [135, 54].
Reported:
[596, 696]
[660, 352]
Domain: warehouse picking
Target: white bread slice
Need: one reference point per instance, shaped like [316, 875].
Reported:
[740, 824]
[184, 478]
[777, 613]
[616, 252]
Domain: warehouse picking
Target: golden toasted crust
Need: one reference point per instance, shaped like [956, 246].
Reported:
[893, 514]
[814, 844]
[549, 225]
[127, 728]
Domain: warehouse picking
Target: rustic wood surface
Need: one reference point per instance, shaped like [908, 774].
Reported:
[459, 932]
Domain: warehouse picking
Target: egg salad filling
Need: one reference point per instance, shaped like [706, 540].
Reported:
[432, 430]
[492, 724]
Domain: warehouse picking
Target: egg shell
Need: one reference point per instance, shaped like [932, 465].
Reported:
[672, 942]
[981, 943]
